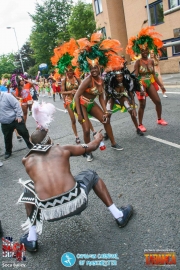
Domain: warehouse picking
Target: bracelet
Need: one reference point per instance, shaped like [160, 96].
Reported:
[106, 112]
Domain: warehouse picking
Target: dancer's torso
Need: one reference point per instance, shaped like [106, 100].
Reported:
[50, 172]
[94, 89]
[145, 69]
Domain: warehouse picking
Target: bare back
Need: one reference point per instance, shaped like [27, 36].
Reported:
[50, 172]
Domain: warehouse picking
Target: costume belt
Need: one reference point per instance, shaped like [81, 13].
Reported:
[53, 208]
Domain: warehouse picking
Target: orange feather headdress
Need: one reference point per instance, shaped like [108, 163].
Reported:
[63, 55]
[146, 38]
[97, 52]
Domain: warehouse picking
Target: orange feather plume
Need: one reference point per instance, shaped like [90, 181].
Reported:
[83, 43]
[54, 60]
[115, 62]
[148, 31]
[57, 51]
[77, 72]
[110, 44]
[95, 38]
[158, 42]
[67, 47]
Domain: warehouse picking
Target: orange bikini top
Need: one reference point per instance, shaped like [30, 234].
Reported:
[94, 91]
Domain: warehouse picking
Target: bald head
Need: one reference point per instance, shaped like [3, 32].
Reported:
[38, 137]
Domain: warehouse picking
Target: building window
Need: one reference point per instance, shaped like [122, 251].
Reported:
[174, 3]
[163, 55]
[98, 6]
[156, 12]
[176, 49]
[103, 31]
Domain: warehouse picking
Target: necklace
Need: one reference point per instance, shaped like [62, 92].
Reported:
[120, 84]
[145, 61]
[99, 83]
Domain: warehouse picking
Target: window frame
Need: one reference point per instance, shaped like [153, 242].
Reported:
[153, 5]
[103, 31]
[172, 40]
[169, 3]
[98, 5]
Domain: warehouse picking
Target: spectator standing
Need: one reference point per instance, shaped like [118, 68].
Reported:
[11, 117]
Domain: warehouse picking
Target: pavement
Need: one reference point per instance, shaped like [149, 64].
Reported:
[171, 80]
[146, 174]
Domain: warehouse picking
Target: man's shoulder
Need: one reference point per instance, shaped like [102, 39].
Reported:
[5, 94]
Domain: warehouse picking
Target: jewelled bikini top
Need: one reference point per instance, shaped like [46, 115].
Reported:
[145, 69]
[71, 86]
[94, 91]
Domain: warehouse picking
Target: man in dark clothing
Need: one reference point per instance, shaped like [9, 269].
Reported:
[11, 117]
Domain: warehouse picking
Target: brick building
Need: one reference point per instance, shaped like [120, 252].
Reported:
[121, 19]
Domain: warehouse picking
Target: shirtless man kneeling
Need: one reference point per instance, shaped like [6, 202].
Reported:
[53, 193]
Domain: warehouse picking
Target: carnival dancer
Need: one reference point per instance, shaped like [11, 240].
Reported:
[120, 92]
[41, 86]
[146, 40]
[89, 57]
[55, 194]
[62, 58]
[55, 78]
[22, 92]
[47, 86]
[69, 85]
[155, 58]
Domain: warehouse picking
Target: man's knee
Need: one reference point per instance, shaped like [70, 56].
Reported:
[88, 179]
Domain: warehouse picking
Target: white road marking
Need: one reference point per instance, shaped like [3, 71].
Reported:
[178, 93]
[163, 141]
[93, 119]
[61, 110]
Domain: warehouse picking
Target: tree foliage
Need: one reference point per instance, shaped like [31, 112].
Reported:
[27, 56]
[50, 26]
[7, 64]
[82, 22]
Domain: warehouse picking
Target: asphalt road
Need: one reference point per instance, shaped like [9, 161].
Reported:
[146, 174]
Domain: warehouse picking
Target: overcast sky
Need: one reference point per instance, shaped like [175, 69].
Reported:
[14, 13]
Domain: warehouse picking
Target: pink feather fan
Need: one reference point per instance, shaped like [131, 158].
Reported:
[42, 114]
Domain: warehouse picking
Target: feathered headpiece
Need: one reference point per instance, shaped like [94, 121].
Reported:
[147, 38]
[63, 56]
[16, 78]
[42, 114]
[97, 52]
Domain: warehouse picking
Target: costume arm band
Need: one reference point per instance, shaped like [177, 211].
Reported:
[84, 146]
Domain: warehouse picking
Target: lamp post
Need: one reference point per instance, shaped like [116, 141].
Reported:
[148, 13]
[9, 27]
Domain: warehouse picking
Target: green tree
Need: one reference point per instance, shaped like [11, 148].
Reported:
[27, 56]
[81, 22]
[7, 64]
[50, 26]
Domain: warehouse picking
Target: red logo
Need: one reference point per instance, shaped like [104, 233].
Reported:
[13, 250]
[160, 258]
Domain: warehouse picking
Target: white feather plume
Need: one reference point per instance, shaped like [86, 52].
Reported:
[42, 113]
